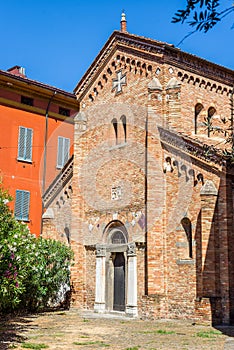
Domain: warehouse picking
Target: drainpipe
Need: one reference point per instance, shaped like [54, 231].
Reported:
[146, 203]
[45, 149]
[232, 114]
[45, 142]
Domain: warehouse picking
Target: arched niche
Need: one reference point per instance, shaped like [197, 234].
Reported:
[198, 117]
[187, 226]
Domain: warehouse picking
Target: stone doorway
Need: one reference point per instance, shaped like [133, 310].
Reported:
[116, 272]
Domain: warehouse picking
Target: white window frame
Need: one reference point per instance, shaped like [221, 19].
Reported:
[63, 151]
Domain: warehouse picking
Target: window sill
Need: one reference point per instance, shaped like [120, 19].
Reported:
[185, 261]
[24, 161]
[121, 145]
[22, 220]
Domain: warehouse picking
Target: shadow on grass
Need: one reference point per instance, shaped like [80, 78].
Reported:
[11, 327]
[226, 330]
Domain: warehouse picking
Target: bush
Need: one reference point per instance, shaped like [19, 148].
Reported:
[32, 270]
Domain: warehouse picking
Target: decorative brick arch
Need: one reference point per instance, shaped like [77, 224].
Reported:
[112, 228]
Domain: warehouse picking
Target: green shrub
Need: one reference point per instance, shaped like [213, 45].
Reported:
[32, 269]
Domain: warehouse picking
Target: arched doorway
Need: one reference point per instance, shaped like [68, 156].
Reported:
[116, 271]
[116, 266]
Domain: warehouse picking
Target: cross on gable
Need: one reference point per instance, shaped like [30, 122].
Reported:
[118, 82]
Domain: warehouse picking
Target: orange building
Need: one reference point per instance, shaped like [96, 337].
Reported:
[36, 140]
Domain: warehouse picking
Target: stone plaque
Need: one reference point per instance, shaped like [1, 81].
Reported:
[116, 193]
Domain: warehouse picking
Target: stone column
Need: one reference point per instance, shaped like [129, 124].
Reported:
[207, 273]
[173, 104]
[156, 190]
[78, 270]
[100, 304]
[208, 215]
[77, 202]
[131, 306]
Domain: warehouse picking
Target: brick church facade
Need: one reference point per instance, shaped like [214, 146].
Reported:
[147, 210]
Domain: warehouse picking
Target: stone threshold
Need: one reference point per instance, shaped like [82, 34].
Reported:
[107, 314]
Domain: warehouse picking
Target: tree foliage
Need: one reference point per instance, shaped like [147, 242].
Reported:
[202, 15]
[224, 148]
[32, 269]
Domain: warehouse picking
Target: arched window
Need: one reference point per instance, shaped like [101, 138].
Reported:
[124, 124]
[118, 237]
[210, 113]
[115, 126]
[187, 226]
[198, 109]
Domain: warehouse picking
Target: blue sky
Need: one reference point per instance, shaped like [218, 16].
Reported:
[56, 41]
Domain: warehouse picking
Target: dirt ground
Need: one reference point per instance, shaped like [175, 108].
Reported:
[74, 329]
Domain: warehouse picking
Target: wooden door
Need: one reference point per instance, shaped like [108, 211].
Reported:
[119, 282]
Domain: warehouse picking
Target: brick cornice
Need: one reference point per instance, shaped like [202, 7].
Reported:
[208, 155]
[58, 184]
[153, 49]
[199, 66]
[175, 56]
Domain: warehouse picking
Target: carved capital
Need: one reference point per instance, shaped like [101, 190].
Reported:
[209, 189]
[100, 251]
[80, 121]
[154, 85]
[131, 249]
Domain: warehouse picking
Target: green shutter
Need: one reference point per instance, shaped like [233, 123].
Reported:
[25, 144]
[28, 145]
[25, 205]
[22, 205]
[22, 132]
[18, 201]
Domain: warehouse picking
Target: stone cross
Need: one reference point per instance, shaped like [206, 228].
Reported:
[118, 82]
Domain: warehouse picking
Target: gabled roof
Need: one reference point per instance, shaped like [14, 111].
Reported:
[33, 84]
[151, 48]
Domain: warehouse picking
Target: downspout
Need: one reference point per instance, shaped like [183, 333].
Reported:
[232, 114]
[45, 150]
[146, 204]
